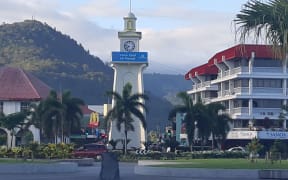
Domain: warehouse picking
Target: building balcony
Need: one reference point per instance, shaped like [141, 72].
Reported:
[255, 70]
[255, 91]
[201, 85]
[204, 86]
[238, 70]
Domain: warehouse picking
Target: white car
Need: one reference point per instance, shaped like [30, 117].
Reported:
[236, 149]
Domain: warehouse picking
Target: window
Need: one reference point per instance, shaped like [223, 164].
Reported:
[269, 83]
[24, 106]
[267, 103]
[267, 63]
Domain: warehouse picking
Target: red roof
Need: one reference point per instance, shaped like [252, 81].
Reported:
[239, 51]
[86, 110]
[201, 70]
[18, 85]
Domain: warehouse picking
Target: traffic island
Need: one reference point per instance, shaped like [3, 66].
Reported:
[33, 168]
[81, 162]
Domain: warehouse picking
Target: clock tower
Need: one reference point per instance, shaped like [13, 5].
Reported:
[128, 65]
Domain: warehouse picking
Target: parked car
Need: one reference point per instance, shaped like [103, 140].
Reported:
[92, 150]
[236, 149]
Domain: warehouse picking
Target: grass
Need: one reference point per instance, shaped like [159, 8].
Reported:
[226, 164]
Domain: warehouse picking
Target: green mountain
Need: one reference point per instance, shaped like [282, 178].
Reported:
[62, 63]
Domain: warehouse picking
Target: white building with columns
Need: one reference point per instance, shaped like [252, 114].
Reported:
[252, 84]
[18, 90]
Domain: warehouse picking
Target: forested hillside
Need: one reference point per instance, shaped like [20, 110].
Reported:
[62, 63]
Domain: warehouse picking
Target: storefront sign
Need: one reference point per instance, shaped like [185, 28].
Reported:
[241, 134]
[273, 135]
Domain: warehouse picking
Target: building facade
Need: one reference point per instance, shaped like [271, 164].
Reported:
[18, 90]
[252, 84]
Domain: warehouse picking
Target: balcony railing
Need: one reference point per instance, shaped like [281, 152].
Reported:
[240, 110]
[201, 85]
[237, 70]
[245, 69]
[241, 90]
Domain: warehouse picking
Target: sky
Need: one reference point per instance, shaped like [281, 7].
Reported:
[177, 34]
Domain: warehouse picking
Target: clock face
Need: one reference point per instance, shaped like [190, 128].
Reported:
[129, 46]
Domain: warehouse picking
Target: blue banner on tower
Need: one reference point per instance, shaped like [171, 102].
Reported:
[137, 57]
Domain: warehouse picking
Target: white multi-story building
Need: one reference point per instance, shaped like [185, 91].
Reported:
[252, 84]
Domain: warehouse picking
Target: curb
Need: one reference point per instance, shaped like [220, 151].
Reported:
[31, 168]
[273, 174]
[196, 172]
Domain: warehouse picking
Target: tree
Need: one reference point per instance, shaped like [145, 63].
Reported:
[187, 108]
[270, 18]
[72, 112]
[203, 122]
[219, 122]
[113, 143]
[53, 116]
[57, 117]
[126, 106]
[14, 121]
[253, 148]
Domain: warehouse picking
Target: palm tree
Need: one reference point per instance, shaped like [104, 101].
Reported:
[219, 122]
[126, 106]
[187, 108]
[56, 117]
[72, 112]
[52, 117]
[203, 121]
[270, 18]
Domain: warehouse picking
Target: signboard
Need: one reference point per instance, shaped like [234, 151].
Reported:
[133, 57]
[94, 120]
[241, 134]
[273, 135]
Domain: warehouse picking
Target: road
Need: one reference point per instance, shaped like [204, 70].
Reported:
[91, 173]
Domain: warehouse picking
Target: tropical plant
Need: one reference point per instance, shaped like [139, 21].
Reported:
[14, 122]
[219, 122]
[279, 147]
[187, 108]
[268, 20]
[57, 117]
[52, 117]
[127, 105]
[203, 122]
[113, 143]
[254, 148]
[72, 112]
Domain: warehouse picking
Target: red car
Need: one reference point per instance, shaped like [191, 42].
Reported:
[90, 151]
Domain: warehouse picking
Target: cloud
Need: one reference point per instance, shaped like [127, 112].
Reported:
[177, 37]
